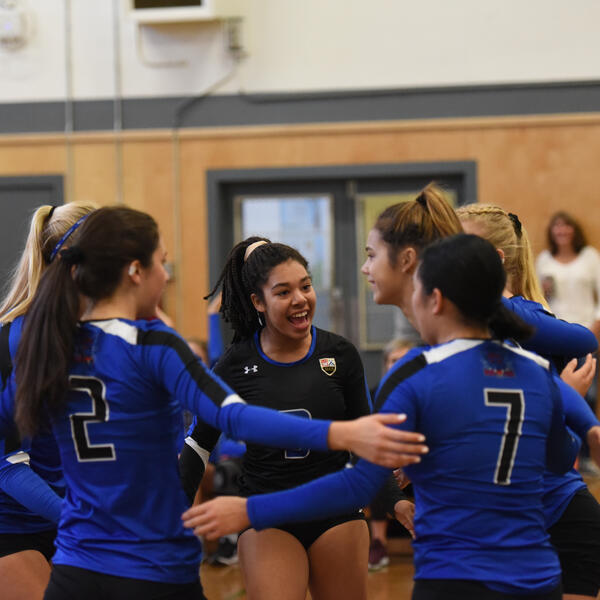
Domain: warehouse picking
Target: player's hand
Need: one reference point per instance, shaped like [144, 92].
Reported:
[593, 441]
[404, 511]
[371, 438]
[218, 517]
[580, 379]
[401, 478]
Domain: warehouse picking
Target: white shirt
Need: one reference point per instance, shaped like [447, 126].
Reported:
[575, 285]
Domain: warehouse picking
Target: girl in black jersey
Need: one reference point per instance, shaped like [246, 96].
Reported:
[280, 360]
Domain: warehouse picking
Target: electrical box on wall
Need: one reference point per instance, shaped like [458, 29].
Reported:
[180, 11]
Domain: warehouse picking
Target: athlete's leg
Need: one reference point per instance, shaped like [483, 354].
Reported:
[274, 565]
[24, 575]
[338, 562]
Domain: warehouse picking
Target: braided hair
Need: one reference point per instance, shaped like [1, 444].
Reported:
[244, 275]
[504, 231]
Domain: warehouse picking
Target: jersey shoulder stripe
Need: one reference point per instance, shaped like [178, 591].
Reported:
[216, 390]
[402, 373]
[540, 360]
[444, 351]
[125, 331]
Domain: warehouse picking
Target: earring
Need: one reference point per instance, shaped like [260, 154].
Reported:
[259, 319]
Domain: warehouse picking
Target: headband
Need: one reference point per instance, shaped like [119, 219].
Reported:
[252, 247]
[516, 223]
[65, 237]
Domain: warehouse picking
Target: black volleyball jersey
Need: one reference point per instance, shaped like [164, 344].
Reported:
[328, 383]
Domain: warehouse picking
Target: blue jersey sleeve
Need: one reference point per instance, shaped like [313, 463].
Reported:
[561, 446]
[215, 339]
[333, 494]
[578, 414]
[28, 488]
[203, 393]
[552, 336]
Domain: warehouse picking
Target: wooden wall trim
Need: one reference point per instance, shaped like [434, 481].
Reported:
[560, 120]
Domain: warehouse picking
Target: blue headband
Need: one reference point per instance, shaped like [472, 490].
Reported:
[65, 237]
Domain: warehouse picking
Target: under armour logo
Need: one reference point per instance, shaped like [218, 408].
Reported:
[252, 369]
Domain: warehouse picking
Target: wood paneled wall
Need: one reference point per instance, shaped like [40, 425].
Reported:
[532, 166]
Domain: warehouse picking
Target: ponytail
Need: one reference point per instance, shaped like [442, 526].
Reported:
[418, 222]
[46, 349]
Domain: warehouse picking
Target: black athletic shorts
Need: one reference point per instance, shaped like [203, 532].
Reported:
[42, 541]
[73, 583]
[576, 537]
[462, 589]
[308, 532]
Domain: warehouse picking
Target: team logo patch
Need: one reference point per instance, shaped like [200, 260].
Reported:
[497, 365]
[328, 365]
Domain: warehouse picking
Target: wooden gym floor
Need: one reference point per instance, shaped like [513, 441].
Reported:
[390, 583]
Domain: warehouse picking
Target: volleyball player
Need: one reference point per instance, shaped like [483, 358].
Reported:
[110, 385]
[31, 482]
[493, 417]
[572, 513]
[280, 360]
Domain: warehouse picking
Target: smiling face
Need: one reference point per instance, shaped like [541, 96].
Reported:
[288, 302]
[389, 283]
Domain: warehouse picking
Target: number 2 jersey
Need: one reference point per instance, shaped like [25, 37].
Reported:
[327, 383]
[118, 444]
[492, 417]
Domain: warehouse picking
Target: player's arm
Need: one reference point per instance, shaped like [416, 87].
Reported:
[337, 493]
[553, 336]
[561, 446]
[333, 494]
[199, 443]
[208, 397]
[27, 487]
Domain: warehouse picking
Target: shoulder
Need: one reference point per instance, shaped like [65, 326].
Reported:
[235, 354]
[590, 253]
[518, 303]
[543, 258]
[333, 341]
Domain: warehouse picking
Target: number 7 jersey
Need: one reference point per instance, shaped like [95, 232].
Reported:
[492, 417]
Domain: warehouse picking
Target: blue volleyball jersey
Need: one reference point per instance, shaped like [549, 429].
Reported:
[118, 444]
[40, 454]
[559, 341]
[492, 416]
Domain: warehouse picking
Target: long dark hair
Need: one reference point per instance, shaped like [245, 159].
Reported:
[468, 271]
[417, 222]
[243, 276]
[579, 241]
[92, 266]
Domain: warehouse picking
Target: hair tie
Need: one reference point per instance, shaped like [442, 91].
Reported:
[516, 223]
[72, 256]
[65, 237]
[421, 200]
[52, 209]
[252, 247]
